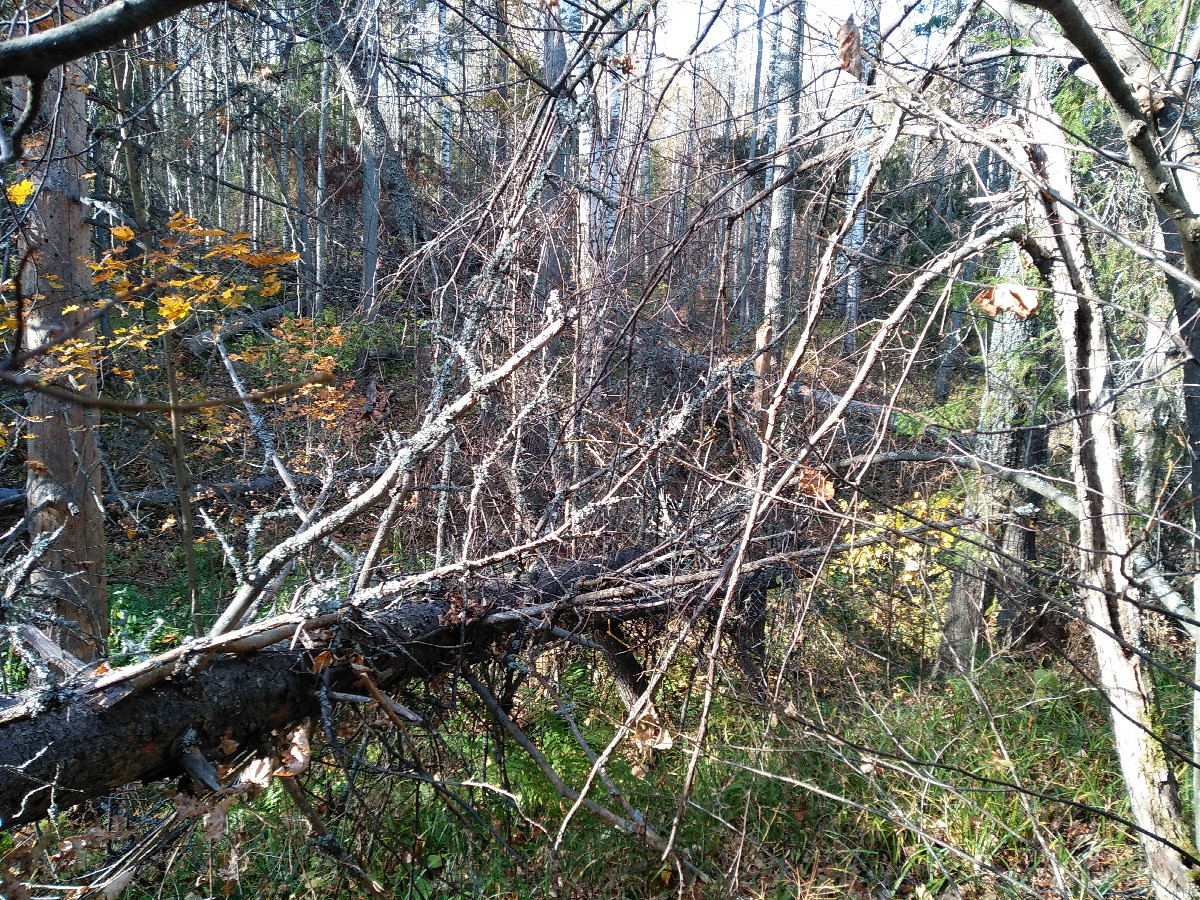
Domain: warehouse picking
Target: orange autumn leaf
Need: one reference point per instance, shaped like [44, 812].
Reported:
[1015, 298]
[122, 233]
[811, 483]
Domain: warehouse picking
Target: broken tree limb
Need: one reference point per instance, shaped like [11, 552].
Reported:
[38, 53]
[427, 439]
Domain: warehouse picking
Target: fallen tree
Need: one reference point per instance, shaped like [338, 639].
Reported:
[220, 695]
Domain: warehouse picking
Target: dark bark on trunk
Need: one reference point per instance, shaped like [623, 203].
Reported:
[89, 751]
[626, 670]
[63, 458]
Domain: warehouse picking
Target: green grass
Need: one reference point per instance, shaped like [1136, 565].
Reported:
[780, 839]
[862, 782]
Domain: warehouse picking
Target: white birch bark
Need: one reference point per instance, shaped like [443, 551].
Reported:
[1114, 622]
[779, 239]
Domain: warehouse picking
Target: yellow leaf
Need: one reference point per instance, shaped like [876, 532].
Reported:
[20, 192]
[270, 290]
[174, 308]
[122, 233]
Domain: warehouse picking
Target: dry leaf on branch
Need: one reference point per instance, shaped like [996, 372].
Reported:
[214, 821]
[811, 483]
[1149, 102]
[850, 50]
[649, 733]
[258, 772]
[1015, 298]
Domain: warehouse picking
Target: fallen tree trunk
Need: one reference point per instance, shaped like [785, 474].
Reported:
[232, 691]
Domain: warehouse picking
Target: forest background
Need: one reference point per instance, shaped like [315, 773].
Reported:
[481, 449]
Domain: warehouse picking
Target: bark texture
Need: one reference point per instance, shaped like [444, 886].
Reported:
[1113, 621]
[63, 483]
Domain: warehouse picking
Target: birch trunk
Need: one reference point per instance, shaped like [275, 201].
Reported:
[1114, 622]
[779, 239]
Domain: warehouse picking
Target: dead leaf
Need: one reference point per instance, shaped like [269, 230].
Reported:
[214, 822]
[258, 772]
[187, 806]
[232, 870]
[1147, 101]
[850, 50]
[649, 734]
[295, 758]
[811, 483]
[1018, 299]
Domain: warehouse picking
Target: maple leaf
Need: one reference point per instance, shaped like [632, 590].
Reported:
[20, 192]
[174, 308]
[122, 233]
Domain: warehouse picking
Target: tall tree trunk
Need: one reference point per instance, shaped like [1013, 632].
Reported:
[976, 582]
[748, 220]
[551, 274]
[356, 83]
[860, 163]
[121, 66]
[63, 461]
[1114, 622]
[779, 240]
[444, 62]
[319, 200]
[370, 207]
[1152, 403]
